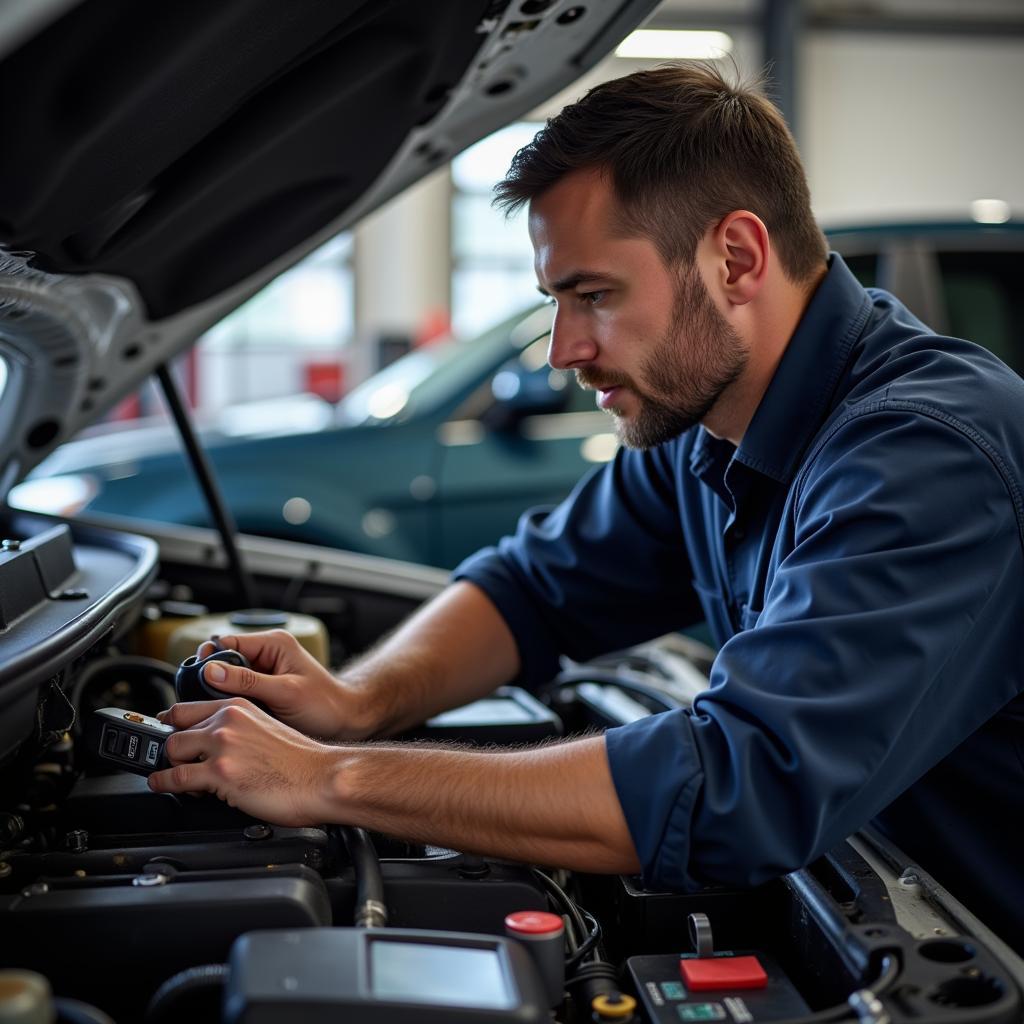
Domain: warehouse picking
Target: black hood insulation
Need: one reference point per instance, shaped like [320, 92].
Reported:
[185, 144]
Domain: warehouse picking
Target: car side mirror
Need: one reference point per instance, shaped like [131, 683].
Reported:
[519, 392]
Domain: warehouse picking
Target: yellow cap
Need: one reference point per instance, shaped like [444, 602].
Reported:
[621, 1009]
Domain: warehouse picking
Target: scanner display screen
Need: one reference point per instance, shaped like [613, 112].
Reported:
[417, 972]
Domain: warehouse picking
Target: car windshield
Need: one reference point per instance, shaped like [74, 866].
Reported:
[417, 382]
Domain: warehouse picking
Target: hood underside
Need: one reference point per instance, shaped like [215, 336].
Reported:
[184, 145]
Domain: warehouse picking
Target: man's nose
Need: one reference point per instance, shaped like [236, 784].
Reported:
[571, 344]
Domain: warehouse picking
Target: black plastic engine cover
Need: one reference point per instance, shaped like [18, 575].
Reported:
[112, 941]
[465, 895]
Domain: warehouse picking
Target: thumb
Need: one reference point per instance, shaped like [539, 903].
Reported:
[234, 679]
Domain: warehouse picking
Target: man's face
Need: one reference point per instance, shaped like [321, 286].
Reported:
[649, 339]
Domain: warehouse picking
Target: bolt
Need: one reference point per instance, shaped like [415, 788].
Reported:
[473, 866]
[10, 545]
[11, 826]
[147, 881]
[5, 869]
[256, 832]
[77, 840]
[79, 873]
[314, 858]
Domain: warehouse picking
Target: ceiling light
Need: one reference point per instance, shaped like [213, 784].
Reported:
[990, 211]
[669, 44]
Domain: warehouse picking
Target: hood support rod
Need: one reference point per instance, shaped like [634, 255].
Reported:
[204, 475]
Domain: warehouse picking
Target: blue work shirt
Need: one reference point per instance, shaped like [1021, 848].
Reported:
[860, 561]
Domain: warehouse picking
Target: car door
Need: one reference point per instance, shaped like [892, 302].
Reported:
[496, 463]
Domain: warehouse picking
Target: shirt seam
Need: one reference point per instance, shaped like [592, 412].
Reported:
[885, 404]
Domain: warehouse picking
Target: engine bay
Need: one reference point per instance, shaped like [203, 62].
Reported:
[143, 906]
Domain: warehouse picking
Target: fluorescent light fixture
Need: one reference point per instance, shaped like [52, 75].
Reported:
[990, 211]
[670, 44]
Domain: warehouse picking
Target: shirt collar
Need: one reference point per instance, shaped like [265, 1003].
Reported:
[799, 394]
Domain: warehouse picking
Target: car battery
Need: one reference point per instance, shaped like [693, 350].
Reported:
[735, 987]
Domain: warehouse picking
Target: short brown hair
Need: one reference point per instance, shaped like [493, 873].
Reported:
[683, 148]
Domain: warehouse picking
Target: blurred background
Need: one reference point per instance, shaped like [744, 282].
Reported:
[907, 113]
[902, 109]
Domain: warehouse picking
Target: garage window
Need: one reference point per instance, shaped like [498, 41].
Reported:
[492, 259]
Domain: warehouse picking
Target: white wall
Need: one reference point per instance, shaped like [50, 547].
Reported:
[402, 268]
[895, 125]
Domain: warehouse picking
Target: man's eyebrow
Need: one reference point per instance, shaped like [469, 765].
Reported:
[569, 282]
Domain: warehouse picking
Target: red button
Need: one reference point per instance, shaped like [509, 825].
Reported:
[701, 975]
[534, 922]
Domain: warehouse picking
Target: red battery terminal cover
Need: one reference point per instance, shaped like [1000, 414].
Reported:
[704, 974]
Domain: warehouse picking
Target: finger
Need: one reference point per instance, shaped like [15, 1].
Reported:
[208, 647]
[235, 679]
[189, 713]
[188, 745]
[265, 649]
[182, 778]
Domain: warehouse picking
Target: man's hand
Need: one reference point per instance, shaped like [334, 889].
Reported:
[292, 684]
[455, 649]
[249, 760]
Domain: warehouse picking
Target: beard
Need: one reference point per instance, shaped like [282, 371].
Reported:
[683, 375]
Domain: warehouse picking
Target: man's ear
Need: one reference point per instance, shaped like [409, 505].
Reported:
[739, 246]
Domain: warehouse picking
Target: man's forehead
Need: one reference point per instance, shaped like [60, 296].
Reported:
[586, 192]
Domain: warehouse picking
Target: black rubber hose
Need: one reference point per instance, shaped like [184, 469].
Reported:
[74, 1011]
[193, 995]
[370, 911]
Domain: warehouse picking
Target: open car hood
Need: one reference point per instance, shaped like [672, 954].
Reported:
[163, 161]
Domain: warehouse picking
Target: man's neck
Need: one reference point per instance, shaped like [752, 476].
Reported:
[775, 322]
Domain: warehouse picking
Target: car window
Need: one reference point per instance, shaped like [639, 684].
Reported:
[864, 267]
[427, 376]
[985, 302]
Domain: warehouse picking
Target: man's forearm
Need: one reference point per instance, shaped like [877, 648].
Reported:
[452, 651]
[549, 805]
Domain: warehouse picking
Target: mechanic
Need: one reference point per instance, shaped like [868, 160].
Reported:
[836, 490]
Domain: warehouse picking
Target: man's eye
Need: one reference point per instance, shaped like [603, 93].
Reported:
[592, 298]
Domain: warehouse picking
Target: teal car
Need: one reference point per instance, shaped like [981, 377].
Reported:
[439, 454]
[429, 459]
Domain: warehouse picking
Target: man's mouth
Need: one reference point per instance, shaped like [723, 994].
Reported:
[607, 391]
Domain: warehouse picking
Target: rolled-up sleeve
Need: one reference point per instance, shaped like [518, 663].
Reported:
[890, 615]
[605, 569]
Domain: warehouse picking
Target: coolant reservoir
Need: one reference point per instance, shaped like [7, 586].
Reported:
[25, 998]
[309, 631]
